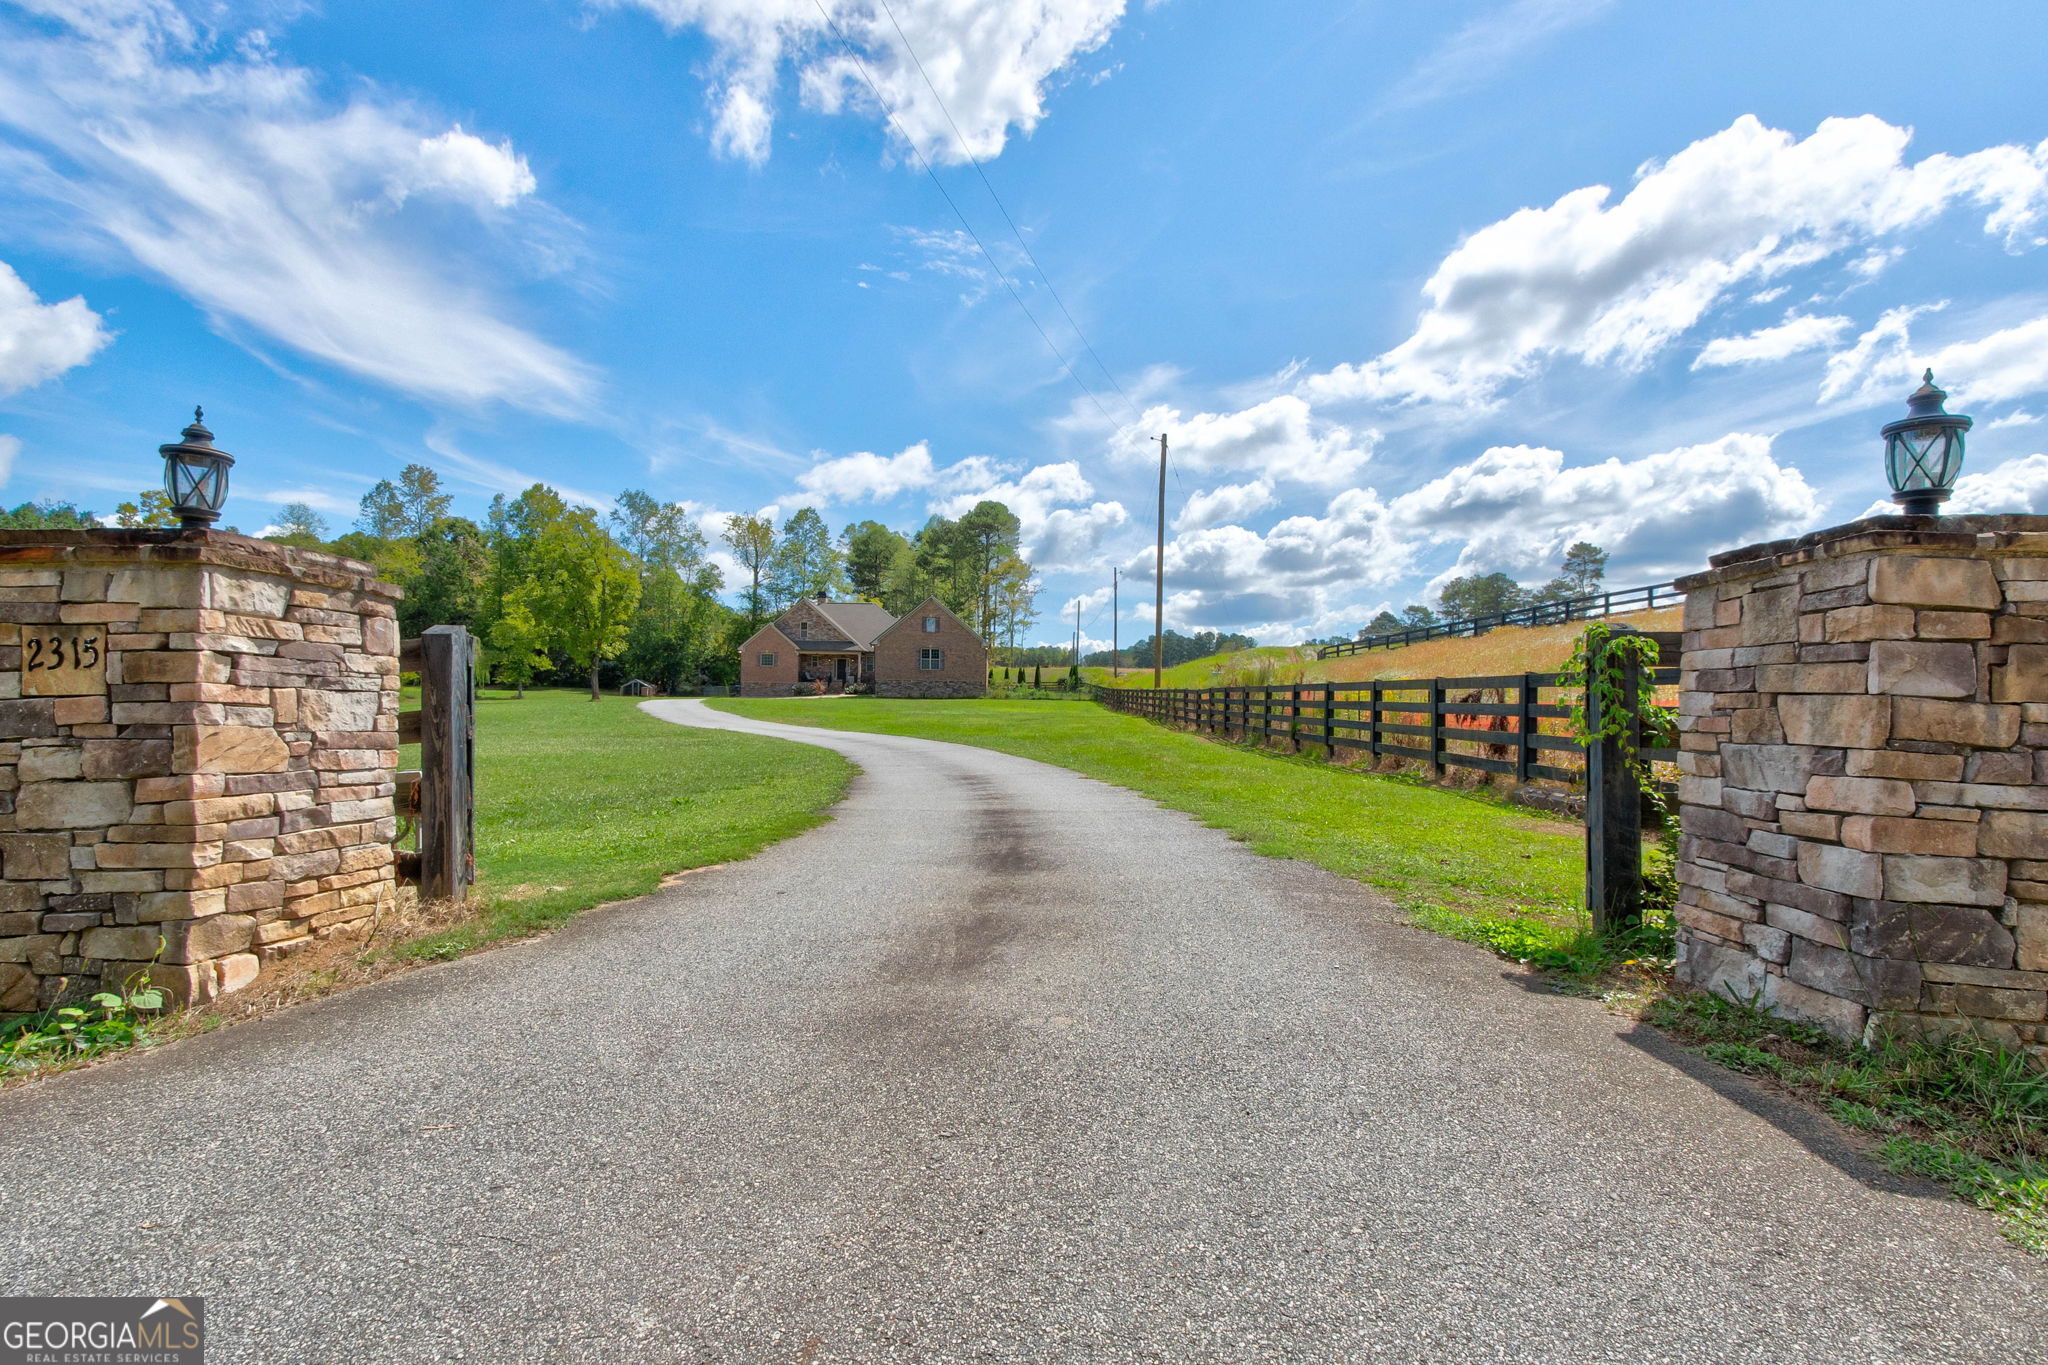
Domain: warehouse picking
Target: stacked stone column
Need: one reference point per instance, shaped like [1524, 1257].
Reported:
[228, 797]
[1864, 791]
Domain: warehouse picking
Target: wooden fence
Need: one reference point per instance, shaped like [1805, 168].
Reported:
[1496, 723]
[441, 795]
[1586, 608]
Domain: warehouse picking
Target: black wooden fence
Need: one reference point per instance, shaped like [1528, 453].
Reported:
[441, 795]
[1496, 723]
[1585, 608]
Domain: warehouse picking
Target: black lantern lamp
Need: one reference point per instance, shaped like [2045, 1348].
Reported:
[196, 475]
[1923, 451]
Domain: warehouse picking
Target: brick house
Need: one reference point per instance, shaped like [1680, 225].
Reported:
[928, 652]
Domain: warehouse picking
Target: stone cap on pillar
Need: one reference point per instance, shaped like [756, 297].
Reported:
[171, 545]
[2005, 533]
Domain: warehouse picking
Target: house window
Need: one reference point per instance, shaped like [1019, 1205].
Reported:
[931, 660]
[931, 625]
[803, 630]
[767, 661]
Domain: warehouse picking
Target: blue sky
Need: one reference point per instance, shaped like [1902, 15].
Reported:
[1415, 290]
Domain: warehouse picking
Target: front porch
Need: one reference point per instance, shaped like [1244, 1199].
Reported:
[834, 669]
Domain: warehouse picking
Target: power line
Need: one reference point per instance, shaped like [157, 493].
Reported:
[961, 141]
[925, 162]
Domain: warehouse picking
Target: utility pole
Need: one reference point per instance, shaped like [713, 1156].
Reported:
[1159, 575]
[1077, 632]
[1113, 660]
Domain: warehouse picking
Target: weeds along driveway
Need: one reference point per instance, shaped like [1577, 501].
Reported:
[1001, 1064]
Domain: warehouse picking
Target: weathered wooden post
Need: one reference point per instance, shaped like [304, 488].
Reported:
[447, 762]
[1525, 723]
[1330, 721]
[1614, 799]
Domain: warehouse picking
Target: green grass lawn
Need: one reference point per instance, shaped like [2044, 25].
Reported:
[582, 802]
[1435, 852]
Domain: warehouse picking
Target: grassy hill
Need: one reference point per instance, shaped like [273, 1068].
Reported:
[1510, 649]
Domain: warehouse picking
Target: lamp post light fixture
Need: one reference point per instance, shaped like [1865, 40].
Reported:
[196, 475]
[1923, 451]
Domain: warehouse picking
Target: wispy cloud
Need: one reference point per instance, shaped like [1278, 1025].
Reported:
[221, 170]
[1488, 45]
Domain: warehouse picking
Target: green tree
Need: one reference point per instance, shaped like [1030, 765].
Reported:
[872, 553]
[805, 561]
[1386, 623]
[299, 525]
[1585, 566]
[679, 616]
[986, 551]
[583, 591]
[516, 640]
[1415, 617]
[511, 529]
[752, 542]
[152, 507]
[396, 561]
[47, 516]
[449, 587]
[409, 507]
[1480, 595]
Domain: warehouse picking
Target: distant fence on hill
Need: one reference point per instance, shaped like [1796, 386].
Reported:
[1589, 607]
[1492, 724]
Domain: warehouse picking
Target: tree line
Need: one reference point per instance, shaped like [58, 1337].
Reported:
[1582, 572]
[560, 593]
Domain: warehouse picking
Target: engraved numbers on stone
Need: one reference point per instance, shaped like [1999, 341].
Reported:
[63, 661]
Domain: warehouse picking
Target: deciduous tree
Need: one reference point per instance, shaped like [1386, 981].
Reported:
[583, 590]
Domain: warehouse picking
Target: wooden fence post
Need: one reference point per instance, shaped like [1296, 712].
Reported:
[447, 824]
[1525, 722]
[1436, 726]
[1330, 721]
[1372, 719]
[1614, 813]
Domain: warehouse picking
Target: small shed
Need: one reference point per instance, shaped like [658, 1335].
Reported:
[638, 687]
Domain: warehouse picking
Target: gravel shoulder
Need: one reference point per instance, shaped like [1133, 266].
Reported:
[1001, 1064]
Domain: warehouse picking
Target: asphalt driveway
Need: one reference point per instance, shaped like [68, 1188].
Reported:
[1002, 1064]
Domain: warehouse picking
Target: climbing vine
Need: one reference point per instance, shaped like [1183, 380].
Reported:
[1599, 668]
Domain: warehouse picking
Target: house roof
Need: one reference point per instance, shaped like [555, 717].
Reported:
[862, 621]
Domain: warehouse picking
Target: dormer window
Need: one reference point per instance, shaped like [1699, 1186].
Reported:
[931, 625]
[803, 630]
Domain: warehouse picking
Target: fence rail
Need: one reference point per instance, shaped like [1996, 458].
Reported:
[1412, 718]
[1586, 608]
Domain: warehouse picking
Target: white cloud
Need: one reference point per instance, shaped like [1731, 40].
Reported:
[10, 446]
[1280, 438]
[1063, 525]
[991, 64]
[1303, 568]
[2012, 419]
[39, 341]
[1488, 45]
[2001, 366]
[223, 171]
[1615, 282]
[1881, 356]
[1231, 502]
[2015, 486]
[1790, 337]
[1516, 508]
[867, 477]
[464, 167]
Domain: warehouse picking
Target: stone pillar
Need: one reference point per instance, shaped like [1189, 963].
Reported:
[1864, 789]
[198, 738]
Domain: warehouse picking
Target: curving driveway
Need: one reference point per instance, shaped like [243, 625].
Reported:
[1002, 1064]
